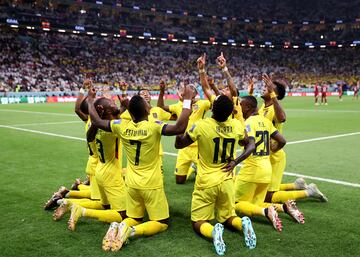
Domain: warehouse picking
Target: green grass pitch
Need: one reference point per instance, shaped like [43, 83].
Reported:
[33, 166]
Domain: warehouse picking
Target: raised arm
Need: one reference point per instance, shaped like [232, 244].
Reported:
[80, 99]
[203, 78]
[279, 111]
[96, 121]
[280, 142]
[160, 102]
[124, 101]
[251, 86]
[221, 61]
[182, 121]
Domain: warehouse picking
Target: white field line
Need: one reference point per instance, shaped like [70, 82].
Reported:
[46, 113]
[44, 123]
[330, 111]
[322, 138]
[333, 181]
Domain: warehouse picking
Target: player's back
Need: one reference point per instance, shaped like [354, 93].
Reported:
[141, 142]
[107, 147]
[216, 144]
[257, 167]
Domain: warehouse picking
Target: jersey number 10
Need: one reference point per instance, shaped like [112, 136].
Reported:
[225, 143]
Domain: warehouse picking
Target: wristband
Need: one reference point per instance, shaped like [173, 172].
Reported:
[202, 71]
[82, 91]
[225, 69]
[273, 95]
[187, 104]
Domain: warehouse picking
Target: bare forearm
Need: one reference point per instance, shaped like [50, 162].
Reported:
[205, 85]
[95, 119]
[231, 83]
[248, 149]
[279, 111]
[78, 111]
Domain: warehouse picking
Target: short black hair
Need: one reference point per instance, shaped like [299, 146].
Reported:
[280, 89]
[137, 107]
[251, 100]
[84, 107]
[103, 101]
[222, 108]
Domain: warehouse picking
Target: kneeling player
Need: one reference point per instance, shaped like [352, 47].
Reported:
[144, 179]
[214, 188]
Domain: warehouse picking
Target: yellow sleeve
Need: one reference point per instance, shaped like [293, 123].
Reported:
[194, 131]
[174, 108]
[164, 115]
[115, 126]
[273, 130]
[240, 131]
[212, 98]
[250, 129]
[206, 104]
[125, 115]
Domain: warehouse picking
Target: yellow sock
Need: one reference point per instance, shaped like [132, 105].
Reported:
[237, 223]
[103, 215]
[131, 222]
[206, 229]
[82, 187]
[249, 209]
[77, 201]
[286, 187]
[278, 206]
[283, 196]
[91, 204]
[149, 228]
[78, 194]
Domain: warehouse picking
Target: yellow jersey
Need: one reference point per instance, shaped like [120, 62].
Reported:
[91, 145]
[269, 113]
[141, 142]
[107, 148]
[257, 167]
[199, 109]
[216, 143]
[156, 113]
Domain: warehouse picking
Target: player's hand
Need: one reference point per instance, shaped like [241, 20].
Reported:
[92, 93]
[162, 86]
[268, 83]
[123, 86]
[87, 84]
[188, 92]
[229, 167]
[221, 61]
[201, 62]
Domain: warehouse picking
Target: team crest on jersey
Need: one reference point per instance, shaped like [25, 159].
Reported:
[192, 128]
[117, 122]
[248, 128]
[155, 115]
[158, 122]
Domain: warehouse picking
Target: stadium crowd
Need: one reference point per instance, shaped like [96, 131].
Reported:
[32, 61]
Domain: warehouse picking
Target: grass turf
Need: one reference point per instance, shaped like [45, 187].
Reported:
[34, 165]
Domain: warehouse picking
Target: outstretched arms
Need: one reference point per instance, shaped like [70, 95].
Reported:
[160, 102]
[279, 111]
[203, 78]
[80, 99]
[182, 121]
[96, 121]
[221, 61]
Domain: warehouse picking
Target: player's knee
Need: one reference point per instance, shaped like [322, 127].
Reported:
[164, 221]
[180, 179]
[106, 206]
[123, 214]
[196, 226]
[268, 197]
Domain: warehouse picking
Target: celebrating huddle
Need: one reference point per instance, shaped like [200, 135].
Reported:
[208, 145]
